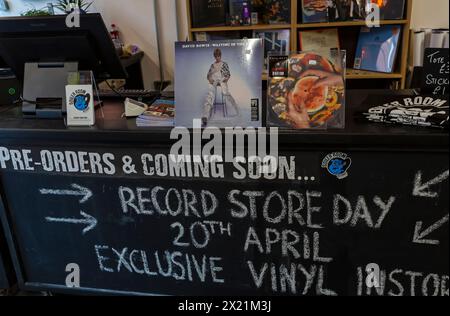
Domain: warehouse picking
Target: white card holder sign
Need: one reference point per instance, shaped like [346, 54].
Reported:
[80, 105]
[80, 99]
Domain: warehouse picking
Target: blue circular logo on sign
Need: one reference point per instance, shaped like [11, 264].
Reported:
[337, 164]
[81, 102]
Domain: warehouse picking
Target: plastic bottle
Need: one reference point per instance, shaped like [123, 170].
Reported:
[246, 16]
[115, 36]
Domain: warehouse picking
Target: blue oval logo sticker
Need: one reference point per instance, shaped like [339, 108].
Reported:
[81, 102]
[337, 164]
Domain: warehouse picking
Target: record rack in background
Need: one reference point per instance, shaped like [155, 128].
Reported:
[291, 21]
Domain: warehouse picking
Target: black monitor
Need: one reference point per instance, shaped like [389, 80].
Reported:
[49, 42]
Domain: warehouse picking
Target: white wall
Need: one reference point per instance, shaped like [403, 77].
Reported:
[168, 28]
[136, 22]
[430, 14]
[182, 20]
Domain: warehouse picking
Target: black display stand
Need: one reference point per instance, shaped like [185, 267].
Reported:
[44, 88]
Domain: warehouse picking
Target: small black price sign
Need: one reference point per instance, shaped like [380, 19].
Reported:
[436, 71]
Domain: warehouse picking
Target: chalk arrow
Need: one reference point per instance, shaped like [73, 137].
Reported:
[423, 189]
[419, 235]
[78, 190]
[88, 220]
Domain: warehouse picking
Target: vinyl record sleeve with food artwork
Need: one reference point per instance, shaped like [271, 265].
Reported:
[307, 90]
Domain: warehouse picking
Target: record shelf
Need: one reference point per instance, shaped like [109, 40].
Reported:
[295, 26]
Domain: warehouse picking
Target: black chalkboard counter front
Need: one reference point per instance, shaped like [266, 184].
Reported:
[361, 211]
